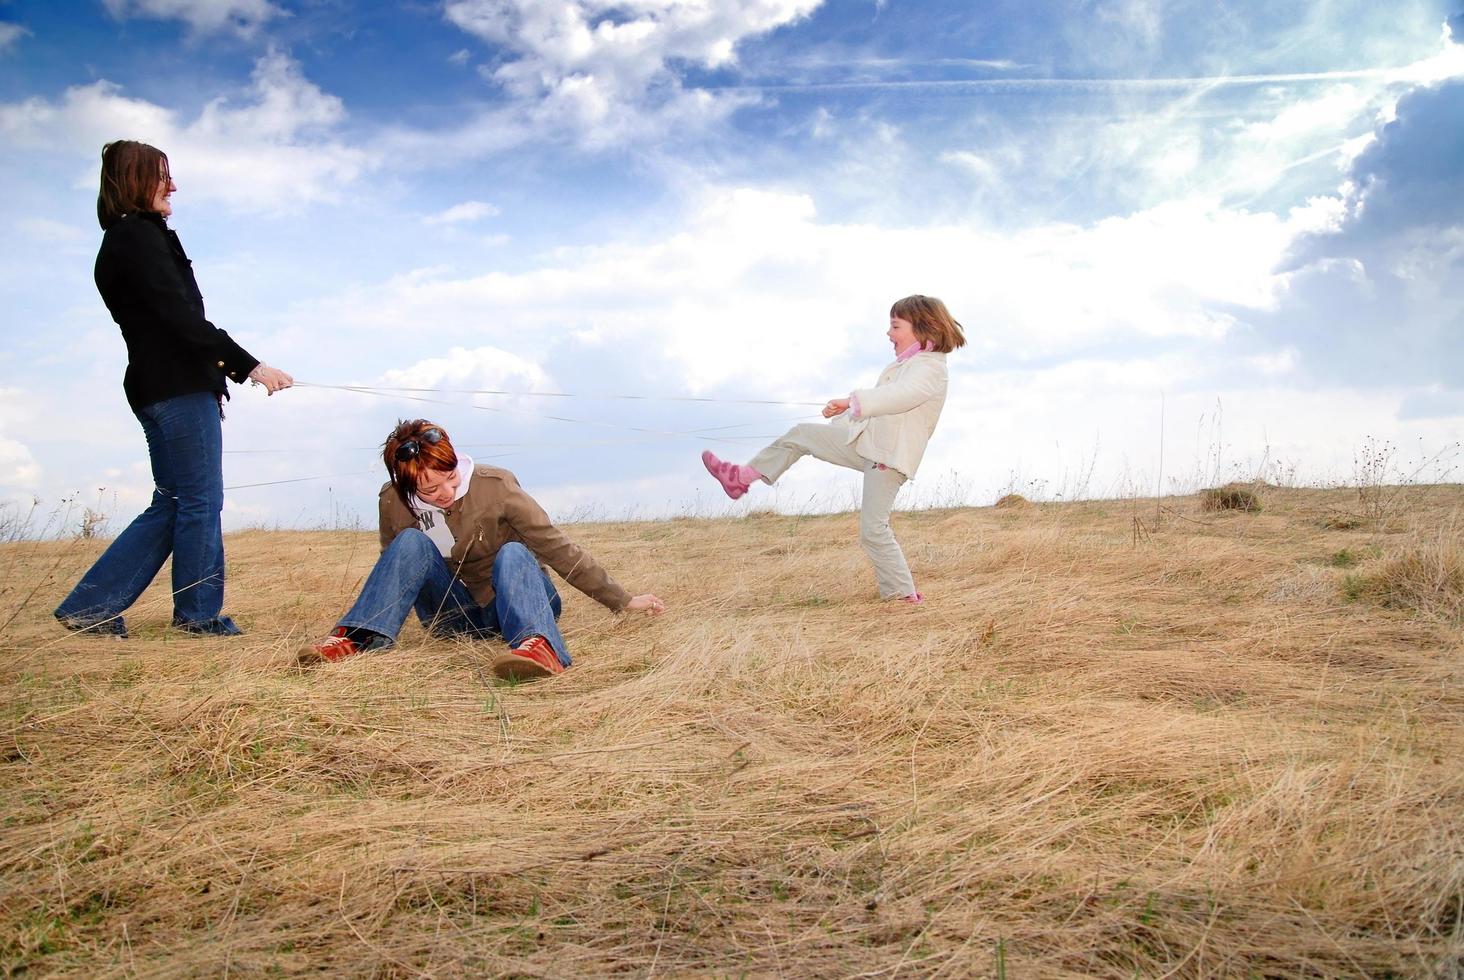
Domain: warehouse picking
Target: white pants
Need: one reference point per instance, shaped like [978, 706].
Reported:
[829, 443]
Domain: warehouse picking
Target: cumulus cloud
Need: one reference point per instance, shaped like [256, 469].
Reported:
[242, 17]
[20, 466]
[471, 369]
[1091, 427]
[746, 271]
[754, 292]
[1410, 174]
[480, 368]
[1377, 297]
[611, 69]
[22, 472]
[270, 150]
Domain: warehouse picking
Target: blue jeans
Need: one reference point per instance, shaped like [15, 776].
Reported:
[185, 445]
[412, 574]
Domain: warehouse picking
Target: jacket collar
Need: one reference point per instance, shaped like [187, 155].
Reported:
[913, 349]
[152, 216]
[465, 476]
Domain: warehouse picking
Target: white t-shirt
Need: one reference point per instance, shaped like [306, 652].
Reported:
[429, 516]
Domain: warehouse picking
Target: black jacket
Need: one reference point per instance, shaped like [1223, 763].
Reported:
[146, 280]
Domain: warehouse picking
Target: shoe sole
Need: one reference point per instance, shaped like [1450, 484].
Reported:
[512, 667]
[309, 657]
[105, 627]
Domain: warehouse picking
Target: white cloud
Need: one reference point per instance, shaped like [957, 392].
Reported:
[9, 35]
[1240, 136]
[86, 116]
[479, 368]
[610, 69]
[242, 17]
[1448, 63]
[19, 466]
[467, 211]
[1092, 428]
[978, 166]
[269, 152]
[755, 291]
[1085, 428]
[752, 286]
[1330, 112]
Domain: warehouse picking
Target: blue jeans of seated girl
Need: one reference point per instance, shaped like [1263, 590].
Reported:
[185, 446]
[412, 574]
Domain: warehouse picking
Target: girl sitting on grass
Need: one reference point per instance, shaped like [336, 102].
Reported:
[464, 546]
[880, 431]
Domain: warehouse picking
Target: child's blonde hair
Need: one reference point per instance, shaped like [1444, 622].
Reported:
[933, 323]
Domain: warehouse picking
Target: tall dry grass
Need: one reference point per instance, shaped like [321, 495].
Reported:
[1193, 752]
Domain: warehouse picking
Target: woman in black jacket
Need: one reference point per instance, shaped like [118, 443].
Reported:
[176, 365]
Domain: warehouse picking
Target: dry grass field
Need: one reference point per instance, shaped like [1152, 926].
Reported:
[1224, 743]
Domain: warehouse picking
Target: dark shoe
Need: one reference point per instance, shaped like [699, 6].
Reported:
[223, 626]
[339, 646]
[113, 627]
[530, 660]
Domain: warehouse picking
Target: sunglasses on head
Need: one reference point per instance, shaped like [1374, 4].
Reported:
[412, 448]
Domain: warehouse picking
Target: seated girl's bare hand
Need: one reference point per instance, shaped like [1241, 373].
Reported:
[836, 406]
[646, 603]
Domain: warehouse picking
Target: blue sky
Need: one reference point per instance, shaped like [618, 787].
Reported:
[1239, 221]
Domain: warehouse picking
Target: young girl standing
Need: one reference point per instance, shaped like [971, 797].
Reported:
[881, 431]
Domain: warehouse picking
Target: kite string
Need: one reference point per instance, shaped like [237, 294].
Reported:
[560, 394]
[647, 434]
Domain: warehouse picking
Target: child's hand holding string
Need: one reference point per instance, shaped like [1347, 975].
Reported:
[836, 406]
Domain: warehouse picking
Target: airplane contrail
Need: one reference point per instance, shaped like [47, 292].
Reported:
[998, 84]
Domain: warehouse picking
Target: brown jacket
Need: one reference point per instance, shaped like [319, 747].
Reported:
[493, 512]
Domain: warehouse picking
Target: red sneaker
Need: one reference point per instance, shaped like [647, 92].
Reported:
[338, 646]
[531, 659]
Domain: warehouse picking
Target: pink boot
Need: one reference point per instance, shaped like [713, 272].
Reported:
[914, 598]
[734, 478]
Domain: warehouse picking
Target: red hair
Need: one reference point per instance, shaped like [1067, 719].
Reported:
[405, 473]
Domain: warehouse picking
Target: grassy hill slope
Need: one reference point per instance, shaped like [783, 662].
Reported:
[1220, 743]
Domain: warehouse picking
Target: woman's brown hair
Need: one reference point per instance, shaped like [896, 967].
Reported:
[131, 172]
[414, 441]
[933, 323]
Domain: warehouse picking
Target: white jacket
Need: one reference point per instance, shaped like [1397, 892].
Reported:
[898, 415]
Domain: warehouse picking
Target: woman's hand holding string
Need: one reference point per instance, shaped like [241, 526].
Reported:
[272, 378]
[836, 406]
